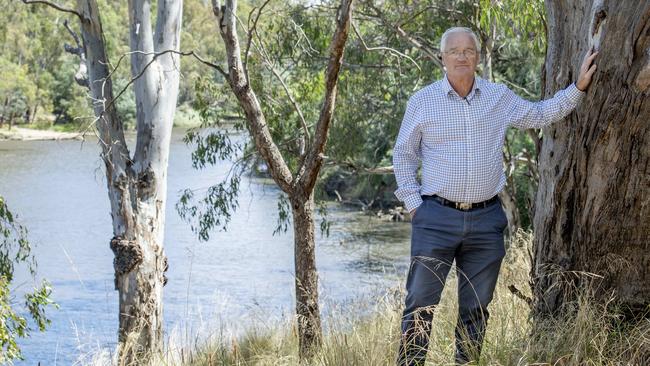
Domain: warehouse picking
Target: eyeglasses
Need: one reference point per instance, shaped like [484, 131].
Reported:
[457, 53]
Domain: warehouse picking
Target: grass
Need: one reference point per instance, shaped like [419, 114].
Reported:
[593, 334]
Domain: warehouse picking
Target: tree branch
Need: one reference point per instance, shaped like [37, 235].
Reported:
[381, 48]
[55, 6]
[81, 76]
[256, 122]
[528, 92]
[350, 165]
[156, 55]
[311, 166]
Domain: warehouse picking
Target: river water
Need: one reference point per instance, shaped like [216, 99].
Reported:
[58, 190]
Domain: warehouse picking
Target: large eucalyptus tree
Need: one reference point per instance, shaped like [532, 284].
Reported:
[593, 201]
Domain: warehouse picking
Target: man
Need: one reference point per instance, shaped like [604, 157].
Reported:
[456, 127]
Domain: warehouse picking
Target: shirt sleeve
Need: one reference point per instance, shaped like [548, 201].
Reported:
[524, 114]
[406, 158]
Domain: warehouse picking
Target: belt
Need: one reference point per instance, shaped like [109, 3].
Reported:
[463, 206]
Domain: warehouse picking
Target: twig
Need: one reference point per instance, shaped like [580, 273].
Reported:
[428, 51]
[515, 291]
[270, 67]
[250, 35]
[427, 8]
[381, 48]
[156, 55]
[347, 164]
[519, 87]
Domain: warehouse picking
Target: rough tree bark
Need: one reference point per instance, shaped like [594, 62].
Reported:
[593, 201]
[137, 185]
[298, 185]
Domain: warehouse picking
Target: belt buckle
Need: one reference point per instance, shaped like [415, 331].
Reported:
[463, 205]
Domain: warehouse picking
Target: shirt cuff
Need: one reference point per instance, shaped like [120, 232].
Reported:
[412, 202]
[574, 94]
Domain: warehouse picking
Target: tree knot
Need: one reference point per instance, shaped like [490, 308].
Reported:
[146, 183]
[128, 255]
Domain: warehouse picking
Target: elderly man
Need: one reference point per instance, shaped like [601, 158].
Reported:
[456, 127]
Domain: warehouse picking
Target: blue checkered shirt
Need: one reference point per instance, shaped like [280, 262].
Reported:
[460, 140]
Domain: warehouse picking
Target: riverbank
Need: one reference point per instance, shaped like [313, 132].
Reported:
[29, 134]
[185, 117]
[591, 335]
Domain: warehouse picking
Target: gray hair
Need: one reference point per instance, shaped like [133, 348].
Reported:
[450, 31]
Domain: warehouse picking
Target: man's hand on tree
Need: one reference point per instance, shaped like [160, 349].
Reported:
[586, 70]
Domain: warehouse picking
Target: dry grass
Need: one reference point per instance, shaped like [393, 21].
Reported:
[592, 335]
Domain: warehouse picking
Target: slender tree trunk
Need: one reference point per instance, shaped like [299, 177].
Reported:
[308, 316]
[4, 109]
[33, 114]
[11, 120]
[487, 39]
[299, 186]
[593, 201]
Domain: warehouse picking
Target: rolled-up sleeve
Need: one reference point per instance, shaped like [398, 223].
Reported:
[524, 114]
[406, 158]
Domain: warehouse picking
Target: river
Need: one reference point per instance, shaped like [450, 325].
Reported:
[58, 190]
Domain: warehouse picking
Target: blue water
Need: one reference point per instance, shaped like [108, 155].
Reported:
[221, 286]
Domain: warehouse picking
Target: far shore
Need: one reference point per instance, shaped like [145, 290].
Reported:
[29, 134]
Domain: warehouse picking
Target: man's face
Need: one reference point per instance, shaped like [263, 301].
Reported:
[461, 57]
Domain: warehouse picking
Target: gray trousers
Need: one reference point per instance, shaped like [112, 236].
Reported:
[440, 235]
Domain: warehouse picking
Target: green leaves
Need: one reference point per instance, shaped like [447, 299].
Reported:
[284, 214]
[210, 147]
[15, 250]
[213, 211]
[517, 21]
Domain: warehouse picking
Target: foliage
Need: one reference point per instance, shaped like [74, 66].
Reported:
[15, 250]
[382, 69]
[29, 59]
[213, 144]
[36, 74]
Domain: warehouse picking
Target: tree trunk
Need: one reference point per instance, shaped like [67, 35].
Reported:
[137, 187]
[4, 110]
[308, 316]
[511, 209]
[33, 114]
[593, 201]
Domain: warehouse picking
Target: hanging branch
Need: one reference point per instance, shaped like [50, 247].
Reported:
[55, 6]
[81, 76]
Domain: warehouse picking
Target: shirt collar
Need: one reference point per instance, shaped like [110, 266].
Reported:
[446, 86]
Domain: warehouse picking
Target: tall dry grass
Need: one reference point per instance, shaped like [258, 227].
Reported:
[591, 334]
